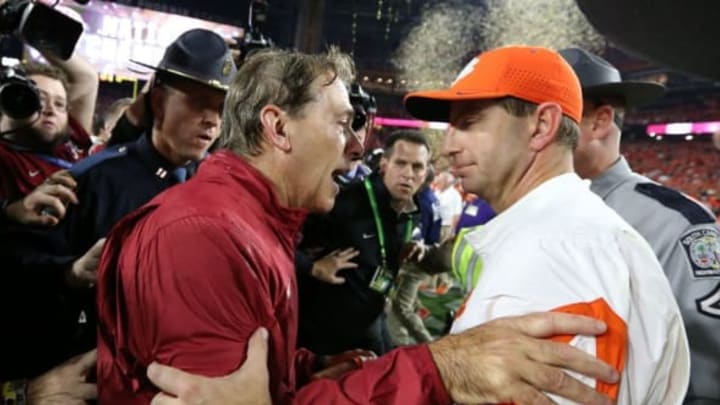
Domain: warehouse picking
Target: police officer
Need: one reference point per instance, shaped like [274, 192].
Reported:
[683, 234]
[187, 101]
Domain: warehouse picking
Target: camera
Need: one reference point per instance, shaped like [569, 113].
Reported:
[19, 97]
[363, 104]
[254, 38]
[41, 26]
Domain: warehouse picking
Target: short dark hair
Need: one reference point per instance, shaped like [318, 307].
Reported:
[568, 131]
[284, 78]
[408, 135]
[40, 69]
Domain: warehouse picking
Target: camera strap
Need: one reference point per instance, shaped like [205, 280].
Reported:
[54, 160]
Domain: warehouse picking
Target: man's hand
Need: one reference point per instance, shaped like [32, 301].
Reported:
[83, 272]
[65, 384]
[46, 205]
[326, 269]
[412, 251]
[507, 360]
[249, 385]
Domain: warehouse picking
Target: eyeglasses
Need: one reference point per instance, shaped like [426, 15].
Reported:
[58, 103]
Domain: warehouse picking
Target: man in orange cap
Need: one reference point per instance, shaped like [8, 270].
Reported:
[514, 115]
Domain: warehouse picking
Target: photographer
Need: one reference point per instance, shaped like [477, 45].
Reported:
[53, 137]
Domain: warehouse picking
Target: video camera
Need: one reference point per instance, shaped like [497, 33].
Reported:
[363, 104]
[41, 26]
[45, 29]
[254, 38]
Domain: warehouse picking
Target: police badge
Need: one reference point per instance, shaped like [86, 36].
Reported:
[702, 247]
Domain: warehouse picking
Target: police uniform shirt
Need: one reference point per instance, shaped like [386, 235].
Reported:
[686, 239]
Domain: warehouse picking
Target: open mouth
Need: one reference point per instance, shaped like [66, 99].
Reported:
[205, 137]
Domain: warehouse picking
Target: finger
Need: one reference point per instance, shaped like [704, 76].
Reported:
[256, 359]
[55, 206]
[63, 177]
[351, 255]
[566, 356]
[164, 399]
[556, 381]
[333, 253]
[526, 394]
[546, 324]
[333, 279]
[63, 193]
[86, 361]
[89, 276]
[348, 251]
[168, 379]
[44, 220]
[86, 391]
[97, 248]
[347, 265]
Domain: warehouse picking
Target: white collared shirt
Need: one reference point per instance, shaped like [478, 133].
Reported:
[561, 246]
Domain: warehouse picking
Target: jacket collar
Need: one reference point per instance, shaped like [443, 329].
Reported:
[615, 175]
[257, 186]
[157, 163]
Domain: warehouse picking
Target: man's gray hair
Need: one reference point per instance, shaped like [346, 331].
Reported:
[283, 78]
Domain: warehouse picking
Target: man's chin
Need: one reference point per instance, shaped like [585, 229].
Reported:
[323, 206]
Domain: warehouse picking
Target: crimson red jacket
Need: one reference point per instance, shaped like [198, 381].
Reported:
[187, 279]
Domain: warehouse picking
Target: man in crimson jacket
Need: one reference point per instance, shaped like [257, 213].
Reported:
[188, 278]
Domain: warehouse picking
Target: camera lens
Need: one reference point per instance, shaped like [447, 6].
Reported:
[359, 120]
[18, 100]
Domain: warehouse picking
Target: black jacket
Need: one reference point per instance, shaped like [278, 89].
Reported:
[334, 318]
[41, 309]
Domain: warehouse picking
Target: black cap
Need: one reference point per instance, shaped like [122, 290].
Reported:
[199, 55]
[599, 79]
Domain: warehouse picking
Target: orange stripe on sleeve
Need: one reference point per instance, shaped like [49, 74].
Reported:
[611, 347]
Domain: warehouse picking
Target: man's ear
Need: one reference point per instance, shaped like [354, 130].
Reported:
[275, 126]
[383, 164]
[158, 95]
[546, 121]
[602, 121]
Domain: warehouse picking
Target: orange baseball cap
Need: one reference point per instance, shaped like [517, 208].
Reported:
[533, 74]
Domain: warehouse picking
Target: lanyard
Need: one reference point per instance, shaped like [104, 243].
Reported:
[378, 222]
[55, 161]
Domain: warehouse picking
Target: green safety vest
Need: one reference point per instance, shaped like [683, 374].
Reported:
[466, 263]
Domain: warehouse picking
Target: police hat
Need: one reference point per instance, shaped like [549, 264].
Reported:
[600, 79]
[681, 35]
[199, 55]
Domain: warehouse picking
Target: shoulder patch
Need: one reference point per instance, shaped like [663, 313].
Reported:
[691, 210]
[91, 161]
[702, 247]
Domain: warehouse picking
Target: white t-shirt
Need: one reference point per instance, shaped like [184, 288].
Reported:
[561, 246]
[451, 205]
